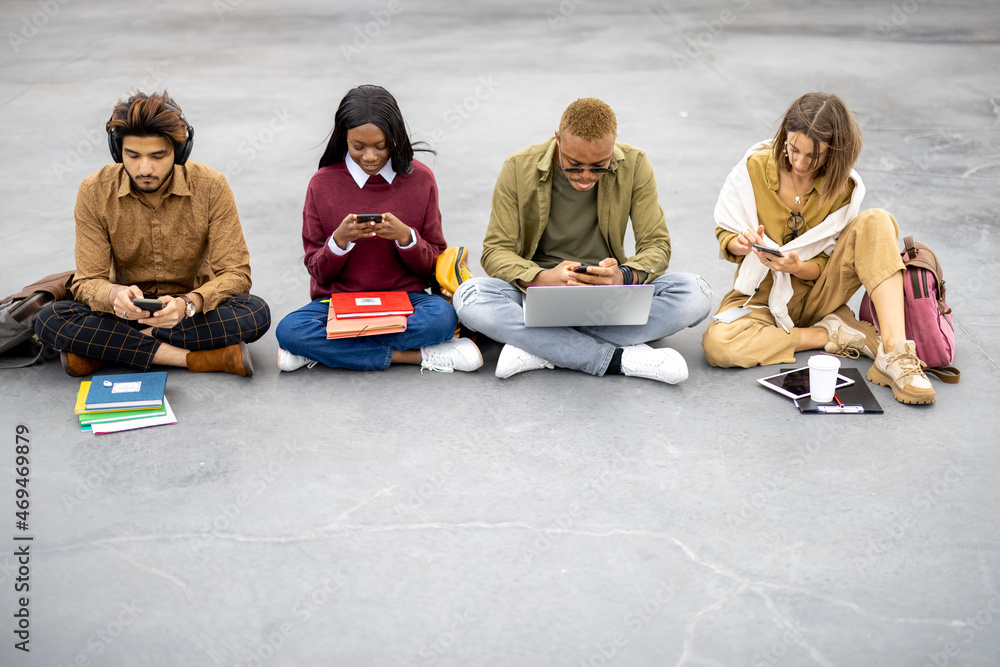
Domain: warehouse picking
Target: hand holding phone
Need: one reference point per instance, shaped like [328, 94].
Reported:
[770, 251]
[581, 269]
[152, 305]
[741, 245]
[368, 218]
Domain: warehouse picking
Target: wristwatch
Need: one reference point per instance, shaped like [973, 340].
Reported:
[191, 310]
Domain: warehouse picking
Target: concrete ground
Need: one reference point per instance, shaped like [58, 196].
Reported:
[326, 517]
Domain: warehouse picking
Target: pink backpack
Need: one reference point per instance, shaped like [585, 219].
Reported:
[928, 317]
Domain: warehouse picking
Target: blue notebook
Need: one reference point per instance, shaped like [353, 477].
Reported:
[126, 390]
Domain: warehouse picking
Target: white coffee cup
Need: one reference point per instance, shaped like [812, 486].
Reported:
[823, 377]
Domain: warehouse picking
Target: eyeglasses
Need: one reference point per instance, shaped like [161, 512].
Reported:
[580, 170]
[795, 224]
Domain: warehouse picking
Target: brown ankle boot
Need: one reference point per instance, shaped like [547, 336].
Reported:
[233, 359]
[77, 365]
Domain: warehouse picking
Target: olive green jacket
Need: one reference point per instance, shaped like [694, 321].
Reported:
[521, 202]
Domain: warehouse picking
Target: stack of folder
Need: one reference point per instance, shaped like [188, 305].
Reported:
[112, 403]
[367, 314]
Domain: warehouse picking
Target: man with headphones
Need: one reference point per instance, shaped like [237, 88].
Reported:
[162, 269]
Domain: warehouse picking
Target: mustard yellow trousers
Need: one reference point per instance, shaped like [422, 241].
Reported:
[866, 254]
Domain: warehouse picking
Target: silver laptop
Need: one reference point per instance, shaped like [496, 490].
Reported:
[593, 305]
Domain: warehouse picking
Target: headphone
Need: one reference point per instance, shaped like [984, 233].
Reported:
[181, 151]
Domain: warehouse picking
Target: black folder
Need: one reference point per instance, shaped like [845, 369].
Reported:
[857, 399]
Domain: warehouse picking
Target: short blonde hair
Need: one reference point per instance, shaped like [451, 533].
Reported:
[590, 119]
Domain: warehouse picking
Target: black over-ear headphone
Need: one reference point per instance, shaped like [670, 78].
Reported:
[181, 151]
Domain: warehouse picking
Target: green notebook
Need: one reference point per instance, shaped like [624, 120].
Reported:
[123, 415]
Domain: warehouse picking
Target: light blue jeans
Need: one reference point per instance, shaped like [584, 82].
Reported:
[303, 332]
[494, 308]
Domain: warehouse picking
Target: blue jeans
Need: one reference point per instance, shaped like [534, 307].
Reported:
[494, 307]
[303, 332]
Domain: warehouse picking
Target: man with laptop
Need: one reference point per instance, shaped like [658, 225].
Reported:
[557, 231]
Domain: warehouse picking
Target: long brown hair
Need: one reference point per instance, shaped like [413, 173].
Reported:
[825, 119]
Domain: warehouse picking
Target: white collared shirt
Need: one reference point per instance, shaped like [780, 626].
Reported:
[361, 178]
[359, 175]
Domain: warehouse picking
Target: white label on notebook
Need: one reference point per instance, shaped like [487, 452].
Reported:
[126, 387]
[368, 301]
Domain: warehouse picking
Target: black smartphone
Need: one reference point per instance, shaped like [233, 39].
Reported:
[152, 305]
[764, 248]
[369, 217]
[581, 269]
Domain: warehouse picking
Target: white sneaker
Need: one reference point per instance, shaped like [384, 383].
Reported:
[514, 360]
[292, 362]
[662, 364]
[455, 354]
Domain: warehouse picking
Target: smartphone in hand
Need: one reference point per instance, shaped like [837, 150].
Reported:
[152, 305]
[581, 269]
[770, 251]
[369, 217]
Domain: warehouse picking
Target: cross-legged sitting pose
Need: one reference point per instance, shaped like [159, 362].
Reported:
[155, 225]
[368, 168]
[564, 203]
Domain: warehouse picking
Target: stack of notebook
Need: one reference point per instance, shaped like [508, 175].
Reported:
[367, 313]
[112, 403]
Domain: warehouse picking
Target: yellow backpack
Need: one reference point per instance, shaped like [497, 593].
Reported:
[452, 270]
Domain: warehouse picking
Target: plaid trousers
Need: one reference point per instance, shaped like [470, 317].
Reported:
[71, 326]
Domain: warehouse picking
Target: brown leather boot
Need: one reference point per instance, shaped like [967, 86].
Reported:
[233, 359]
[77, 365]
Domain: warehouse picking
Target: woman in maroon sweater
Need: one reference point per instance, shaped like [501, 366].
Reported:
[368, 167]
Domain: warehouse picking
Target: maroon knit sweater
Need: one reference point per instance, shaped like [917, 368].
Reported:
[375, 264]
